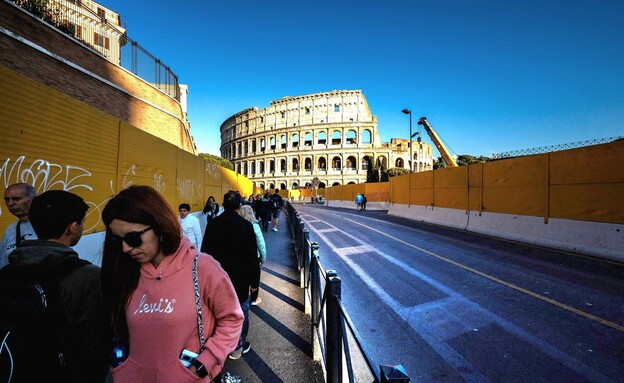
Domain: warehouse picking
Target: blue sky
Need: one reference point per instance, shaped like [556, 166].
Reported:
[490, 75]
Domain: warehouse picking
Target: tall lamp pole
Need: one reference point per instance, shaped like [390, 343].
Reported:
[407, 111]
[411, 159]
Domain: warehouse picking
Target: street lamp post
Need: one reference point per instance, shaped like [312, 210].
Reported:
[409, 189]
[407, 111]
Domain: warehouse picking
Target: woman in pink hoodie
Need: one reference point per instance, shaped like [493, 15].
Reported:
[149, 295]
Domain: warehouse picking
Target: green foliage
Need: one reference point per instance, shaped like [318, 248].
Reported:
[217, 160]
[396, 172]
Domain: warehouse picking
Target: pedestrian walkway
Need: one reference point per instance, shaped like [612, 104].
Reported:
[279, 329]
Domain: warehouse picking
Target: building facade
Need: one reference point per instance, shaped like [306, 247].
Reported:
[331, 136]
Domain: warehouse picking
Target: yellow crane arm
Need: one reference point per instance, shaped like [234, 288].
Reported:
[446, 156]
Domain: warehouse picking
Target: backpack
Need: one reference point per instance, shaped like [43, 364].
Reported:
[33, 348]
[277, 201]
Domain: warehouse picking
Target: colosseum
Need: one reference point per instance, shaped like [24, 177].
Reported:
[330, 135]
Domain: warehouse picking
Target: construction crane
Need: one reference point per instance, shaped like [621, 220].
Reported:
[449, 161]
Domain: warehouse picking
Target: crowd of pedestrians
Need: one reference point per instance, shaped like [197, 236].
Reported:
[168, 302]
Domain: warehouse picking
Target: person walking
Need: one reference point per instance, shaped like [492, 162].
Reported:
[231, 240]
[17, 198]
[363, 202]
[211, 209]
[246, 212]
[190, 225]
[155, 285]
[264, 211]
[72, 287]
[358, 202]
[276, 208]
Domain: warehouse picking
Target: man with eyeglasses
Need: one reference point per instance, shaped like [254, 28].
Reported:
[17, 198]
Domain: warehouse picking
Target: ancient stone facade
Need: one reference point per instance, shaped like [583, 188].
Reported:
[330, 135]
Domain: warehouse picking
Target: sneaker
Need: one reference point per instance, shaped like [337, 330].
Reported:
[236, 354]
[246, 347]
[275, 229]
[256, 302]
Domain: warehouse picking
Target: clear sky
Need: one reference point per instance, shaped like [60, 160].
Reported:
[490, 75]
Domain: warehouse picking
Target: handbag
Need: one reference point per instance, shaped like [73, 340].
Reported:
[200, 320]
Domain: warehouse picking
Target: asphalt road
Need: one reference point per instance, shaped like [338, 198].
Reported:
[452, 306]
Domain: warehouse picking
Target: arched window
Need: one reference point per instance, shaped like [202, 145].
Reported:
[366, 136]
[283, 165]
[261, 167]
[239, 168]
[336, 163]
[283, 141]
[253, 168]
[295, 185]
[351, 163]
[336, 184]
[253, 146]
[351, 137]
[295, 165]
[272, 166]
[322, 164]
[295, 140]
[322, 138]
[307, 139]
[262, 145]
[308, 164]
[245, 169]
[246, 147]
[321, 185]
[336, 137]
[399, 163]
[240, 150]
[366, 162]
[271, 186]
[282, 186]
[272, 142]
[381, 162]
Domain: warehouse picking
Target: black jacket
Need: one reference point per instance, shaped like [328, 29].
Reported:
[80, 297]
[231, 240]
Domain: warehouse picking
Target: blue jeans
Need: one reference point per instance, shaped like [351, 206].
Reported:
[245, 331]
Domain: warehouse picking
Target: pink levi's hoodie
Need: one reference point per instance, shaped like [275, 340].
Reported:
[162, 319]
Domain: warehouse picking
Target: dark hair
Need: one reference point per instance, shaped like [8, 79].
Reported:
[276, 191]
[184, 206]
[51, 213]
[120, 274]
[231, 200]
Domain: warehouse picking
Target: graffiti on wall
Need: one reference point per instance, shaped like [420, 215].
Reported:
[44, 175]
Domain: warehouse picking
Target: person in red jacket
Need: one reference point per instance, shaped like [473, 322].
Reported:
[149, 295]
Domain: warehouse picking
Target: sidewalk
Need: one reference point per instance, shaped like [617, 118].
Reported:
[279, 330]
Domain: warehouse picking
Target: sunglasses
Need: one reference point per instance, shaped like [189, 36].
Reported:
[132, 239]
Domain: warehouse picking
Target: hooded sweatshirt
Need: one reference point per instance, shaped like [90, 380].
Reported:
[80, 299]
[162, 319]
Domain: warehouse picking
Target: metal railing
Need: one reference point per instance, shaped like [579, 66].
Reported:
[553, 148]
[336, 341]
[96, 32]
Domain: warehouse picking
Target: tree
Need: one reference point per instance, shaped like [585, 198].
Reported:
[397, 172]
[217, 160]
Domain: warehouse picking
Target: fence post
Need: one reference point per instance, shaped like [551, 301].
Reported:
[333, 338]
[305, 278]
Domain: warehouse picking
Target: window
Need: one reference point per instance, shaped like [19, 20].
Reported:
[100, 40]
[101, 13]
[307, 139]
[283, 142]
[261, 167]
[366, 136]
[283, 165]
[351, 163]
[336, 108]
[272, 141]
[399, 163]
[295, 140]
[272, 166]
[322, 138]
[336, 163]
[253, 146]
[253, 168]
[295, 165]
[283, 114]
[322, 164]
[366, 162]
[262, 145]
[351, 137]
[336, 137]
[308, 164]
[307, 110]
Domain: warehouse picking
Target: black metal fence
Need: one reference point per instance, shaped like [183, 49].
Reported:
[93, 29]
[336, 341]
[553, 148]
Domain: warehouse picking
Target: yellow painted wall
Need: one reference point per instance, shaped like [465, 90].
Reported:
[53, 141]
[581, 184]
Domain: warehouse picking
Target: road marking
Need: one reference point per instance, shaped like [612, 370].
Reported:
[468, 311]
[497, 280]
